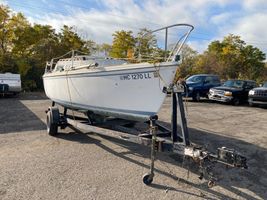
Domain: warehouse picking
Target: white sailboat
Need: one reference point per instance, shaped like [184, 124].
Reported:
[112, 87]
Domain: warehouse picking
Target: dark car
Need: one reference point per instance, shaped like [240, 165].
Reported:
[232, 91]
[258, 96]
[199, 85]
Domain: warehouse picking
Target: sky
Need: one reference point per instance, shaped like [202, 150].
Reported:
[98, 19]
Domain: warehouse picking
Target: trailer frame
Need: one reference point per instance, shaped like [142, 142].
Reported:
[159, 137]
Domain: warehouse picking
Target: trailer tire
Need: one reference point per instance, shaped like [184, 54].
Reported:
[52, 121]
[211, 183]
[147, 179]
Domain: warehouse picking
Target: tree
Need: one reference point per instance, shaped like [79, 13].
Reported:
[69, 40]
[5, 39]
[146, 44]
[91, 46]
[46, 44]
[24, 48]
[188, 59]
[253, 65]
[10, 24]
[231, 58]
[105, 48]
[123, 41]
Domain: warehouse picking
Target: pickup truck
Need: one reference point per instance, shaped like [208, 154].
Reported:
[232, 91]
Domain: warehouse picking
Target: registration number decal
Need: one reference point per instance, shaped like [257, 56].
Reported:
[137, 76]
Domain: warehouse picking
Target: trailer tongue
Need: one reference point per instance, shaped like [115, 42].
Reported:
[159, 138]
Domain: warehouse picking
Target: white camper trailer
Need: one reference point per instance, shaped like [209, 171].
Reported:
[10, 83]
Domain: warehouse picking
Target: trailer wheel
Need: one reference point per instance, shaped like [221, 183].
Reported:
[211, 183]
[52, 121]
[147, 179]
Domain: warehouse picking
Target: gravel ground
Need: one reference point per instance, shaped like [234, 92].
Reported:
[77, 165]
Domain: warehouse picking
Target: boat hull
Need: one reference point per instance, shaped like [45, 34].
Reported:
[130, 92]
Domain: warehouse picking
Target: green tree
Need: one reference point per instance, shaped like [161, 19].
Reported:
[70, 40]
[91, 46]
[123, 41]
[5, 38]
[10, 25]
[24, 48]
[105, 48]
[46, 43]
[188, 59]
[253, 65]
[33, 46]
[146, 43]
[231, 58]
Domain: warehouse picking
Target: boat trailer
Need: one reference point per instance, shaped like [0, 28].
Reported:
[158, 137]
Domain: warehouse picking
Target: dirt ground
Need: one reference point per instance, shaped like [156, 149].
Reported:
[77, 165]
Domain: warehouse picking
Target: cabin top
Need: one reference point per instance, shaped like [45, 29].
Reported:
[78, 62]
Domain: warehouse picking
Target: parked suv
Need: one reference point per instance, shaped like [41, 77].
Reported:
[199, 85]
[232, 91]
[258, 95]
